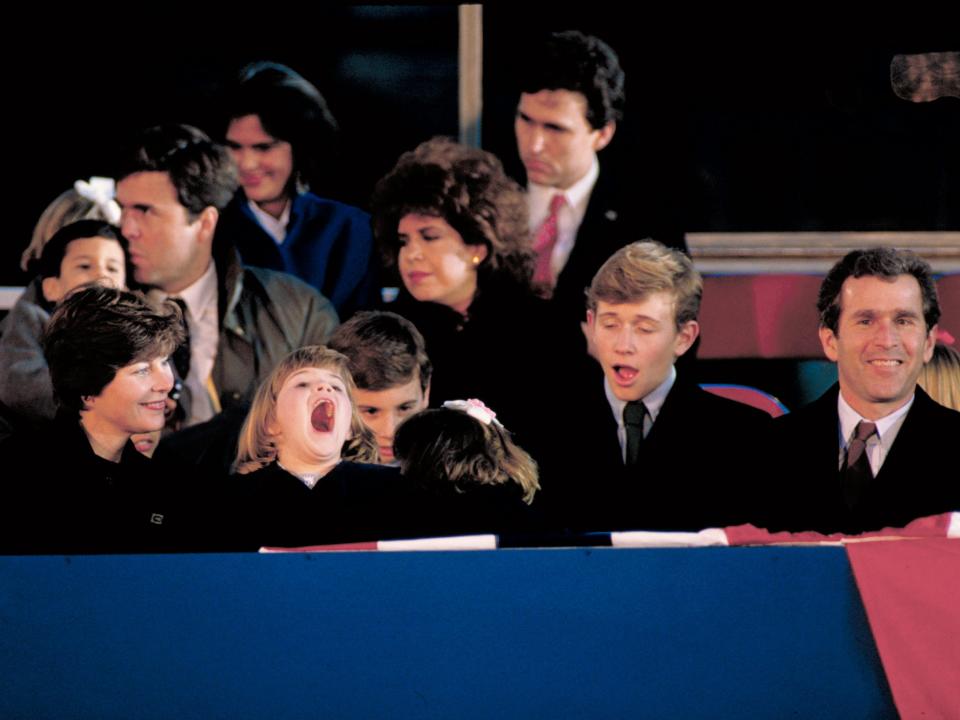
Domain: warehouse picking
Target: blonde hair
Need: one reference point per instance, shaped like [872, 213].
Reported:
[68, 207]
[641, 268]
[257, 448]
[940, 377]
[446, 446]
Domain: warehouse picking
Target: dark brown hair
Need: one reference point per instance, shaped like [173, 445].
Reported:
[882, 262]
[449, 447]
[201, 171]
[98, 330]
[578, 63]
[468, 189]
[290, 108]
[384, 349]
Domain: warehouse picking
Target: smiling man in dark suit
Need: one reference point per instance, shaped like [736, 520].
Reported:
[571, 99]
[874, 451]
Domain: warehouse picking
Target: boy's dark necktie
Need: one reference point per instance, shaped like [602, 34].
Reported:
[633, 416]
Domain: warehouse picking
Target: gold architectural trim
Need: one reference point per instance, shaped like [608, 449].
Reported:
[789, 252]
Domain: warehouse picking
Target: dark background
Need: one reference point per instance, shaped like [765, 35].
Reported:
[792, 129]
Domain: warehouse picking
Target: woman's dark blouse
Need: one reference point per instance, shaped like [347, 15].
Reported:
[503, 352]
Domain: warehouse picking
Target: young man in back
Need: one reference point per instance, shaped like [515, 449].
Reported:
[389, 364]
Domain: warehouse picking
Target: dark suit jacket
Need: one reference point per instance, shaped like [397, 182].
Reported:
[613, 219]
[697, 463]
[920, 475]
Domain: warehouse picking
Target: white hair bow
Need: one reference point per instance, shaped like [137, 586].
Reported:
[100, 191]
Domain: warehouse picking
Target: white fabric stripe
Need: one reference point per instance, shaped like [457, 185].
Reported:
[457, 542]
[705, 538]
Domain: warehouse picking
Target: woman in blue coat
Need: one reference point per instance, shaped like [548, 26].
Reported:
[279, 131]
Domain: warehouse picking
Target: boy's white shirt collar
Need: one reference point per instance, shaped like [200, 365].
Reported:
[653, 402]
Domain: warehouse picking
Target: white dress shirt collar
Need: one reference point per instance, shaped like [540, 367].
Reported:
[202, 293]
[274, 227]
[577, 197]
[203, 323]
[887, 429]
[569, 217]
[653, 402]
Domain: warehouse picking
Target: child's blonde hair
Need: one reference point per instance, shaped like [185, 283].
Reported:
[257, 447]
[941, 376]
[69, 207]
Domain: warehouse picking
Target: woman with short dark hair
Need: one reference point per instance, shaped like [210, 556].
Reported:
[86, 488]
[456, 228]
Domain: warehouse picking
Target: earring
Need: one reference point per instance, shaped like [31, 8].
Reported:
[476, 260]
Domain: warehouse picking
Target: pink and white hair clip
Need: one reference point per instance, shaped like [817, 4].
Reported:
[475, 409]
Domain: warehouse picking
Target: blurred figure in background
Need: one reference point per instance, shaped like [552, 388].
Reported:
[940, 377]
[279, 130]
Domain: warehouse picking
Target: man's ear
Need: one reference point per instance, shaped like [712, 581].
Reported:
[828, 340]
[52, 292]
[929, 343]
[208, 223]
[604, 136]
[426, 395]
[686, 336]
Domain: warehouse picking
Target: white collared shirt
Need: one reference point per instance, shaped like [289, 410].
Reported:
[569, 217]
[203, 323]
[274, 227]
[878, 445]
[653, 402]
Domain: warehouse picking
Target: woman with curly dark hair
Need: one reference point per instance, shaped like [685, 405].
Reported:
[455, 227]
